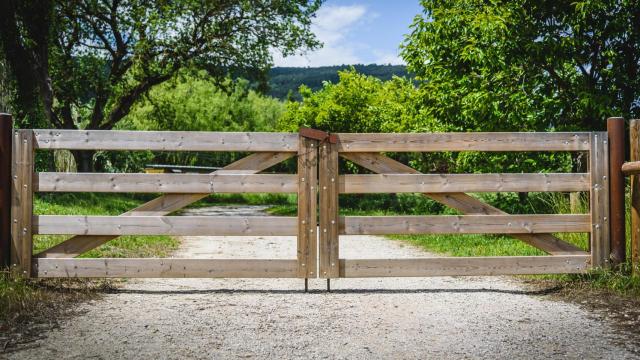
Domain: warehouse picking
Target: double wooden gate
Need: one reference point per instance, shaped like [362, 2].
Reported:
[318, 185]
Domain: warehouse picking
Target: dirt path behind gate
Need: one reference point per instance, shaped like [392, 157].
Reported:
[452, 317]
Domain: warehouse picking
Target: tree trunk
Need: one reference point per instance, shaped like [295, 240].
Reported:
[84, 160]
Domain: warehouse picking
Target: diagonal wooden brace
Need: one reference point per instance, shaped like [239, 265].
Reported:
[164, 205]
[462, 202]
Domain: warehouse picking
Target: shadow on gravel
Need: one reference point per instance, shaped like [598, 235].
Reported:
[546, 291]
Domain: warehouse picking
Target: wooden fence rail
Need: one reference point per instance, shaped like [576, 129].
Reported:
[318, 185]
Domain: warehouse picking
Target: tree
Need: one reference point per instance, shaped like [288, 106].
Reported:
[525, 64]
[84, 63]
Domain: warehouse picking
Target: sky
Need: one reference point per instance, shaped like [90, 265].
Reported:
[357, 32]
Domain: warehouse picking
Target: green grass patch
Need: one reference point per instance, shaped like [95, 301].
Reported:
[102, 204]
[26, 297]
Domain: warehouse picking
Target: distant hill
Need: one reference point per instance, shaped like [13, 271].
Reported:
[283, 79]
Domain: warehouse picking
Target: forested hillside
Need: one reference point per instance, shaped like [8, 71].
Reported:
[285, 79]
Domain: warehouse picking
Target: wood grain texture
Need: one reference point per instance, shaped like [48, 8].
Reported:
[166, 225]
[462, 202]
[464, 224]
[163, 205]
[164, 268]
[329, 222]
[166, 183]
[165, 140]
[473, 141]
[463, 266]
[634, 137]
[444, 183]
[599, 198]
[307, 208]
[22, 202]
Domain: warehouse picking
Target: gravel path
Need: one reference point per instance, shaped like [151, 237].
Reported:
[450, 317]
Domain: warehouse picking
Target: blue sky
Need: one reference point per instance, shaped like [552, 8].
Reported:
[357, 31]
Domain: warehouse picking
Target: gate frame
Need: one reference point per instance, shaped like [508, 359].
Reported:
[317, 254]
[363, 150]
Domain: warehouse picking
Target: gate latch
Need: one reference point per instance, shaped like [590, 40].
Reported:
[322, 136]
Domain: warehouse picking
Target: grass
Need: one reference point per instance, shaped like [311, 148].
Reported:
[101, 204]
[39, 296]
[618, 282]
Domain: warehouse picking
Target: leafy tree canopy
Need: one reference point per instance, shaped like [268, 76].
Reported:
[84, 63]
[527, 65]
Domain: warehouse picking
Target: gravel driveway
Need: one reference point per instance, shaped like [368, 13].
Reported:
[414, 318]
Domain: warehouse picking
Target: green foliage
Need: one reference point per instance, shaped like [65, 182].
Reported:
[84, 64]
[287, 80]
[356, 103]
[526, 65]
[194, 101]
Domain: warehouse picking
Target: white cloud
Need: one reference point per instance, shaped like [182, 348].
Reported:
[331, 26]
[387, 58]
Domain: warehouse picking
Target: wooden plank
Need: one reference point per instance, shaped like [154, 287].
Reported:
[329, 223]
[163, 205]
[22, 202]
[631, 167]
[445, 183]
[164, 268]
[6, 136]
[307, 207]
[473, 141]
[165, 140]
[464, 224]
[634, 138]
[599, 197]
[462, 202]
[166, 183]
[463, 266]
[166, 225]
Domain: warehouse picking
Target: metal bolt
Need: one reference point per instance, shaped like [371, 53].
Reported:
[325, 230]
[303, 264]
[333, 221]
[333, 264]
[324, 188]
[302, 179]
[310, 230]
[333, 180]
[311, 144]
[303, 222]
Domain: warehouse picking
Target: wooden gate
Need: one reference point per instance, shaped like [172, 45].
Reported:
[451, 190]
[151, 218]
[317, 178]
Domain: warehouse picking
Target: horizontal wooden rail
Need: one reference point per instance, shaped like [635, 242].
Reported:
[164, 268]
[461, 266]
[166, 225]
[631, 168]
[449, 183]
[166, 183]
[464, 224]
[476, 141]
[165, 140]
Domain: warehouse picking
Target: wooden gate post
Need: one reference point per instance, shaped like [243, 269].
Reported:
[307, 207]
[599, 198]
[6, 134]
[615, 130]
[22, 202]
[329, 222]
[634, 137]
